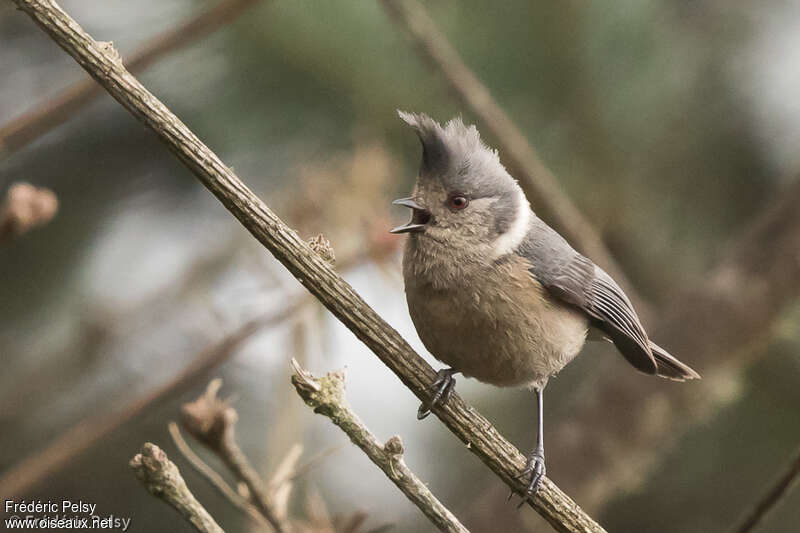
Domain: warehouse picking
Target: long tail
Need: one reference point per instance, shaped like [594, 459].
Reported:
[669, 367]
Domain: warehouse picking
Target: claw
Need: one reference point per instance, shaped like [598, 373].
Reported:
[443, 385]
[535, 467]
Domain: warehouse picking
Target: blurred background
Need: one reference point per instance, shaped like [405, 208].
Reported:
[672, 126]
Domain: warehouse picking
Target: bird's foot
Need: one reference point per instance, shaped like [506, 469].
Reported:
[443, 386]
[536, 469]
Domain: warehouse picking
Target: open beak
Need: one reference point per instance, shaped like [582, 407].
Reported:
[419, 217]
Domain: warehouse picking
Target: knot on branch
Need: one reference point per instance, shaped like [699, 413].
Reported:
[26, 207]
[154, 469]
[394, 447]
[321, 394]
[111, 52]
[323, 247]
[210, 419]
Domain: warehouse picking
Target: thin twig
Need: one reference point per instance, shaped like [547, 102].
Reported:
[101, 61]
[163, 480]
[543, 190]
[326, 397]
[212, 421]
[212, 476]
[771, 498]
[31, 125]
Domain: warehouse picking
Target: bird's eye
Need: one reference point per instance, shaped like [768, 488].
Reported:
[456, 203]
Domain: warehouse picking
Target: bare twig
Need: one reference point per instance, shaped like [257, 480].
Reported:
[24, 208]
[212, 476]
[540, 186]
[162, 479]
[326, 397]
[771, 498]
[31, 125]
[212, 421]
[306, 265]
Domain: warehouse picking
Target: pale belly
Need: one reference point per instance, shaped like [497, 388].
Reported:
[506, 333]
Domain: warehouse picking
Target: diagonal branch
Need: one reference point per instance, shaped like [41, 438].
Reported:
[29, 126]
[540, 186]
[103, 63]
[326, 397]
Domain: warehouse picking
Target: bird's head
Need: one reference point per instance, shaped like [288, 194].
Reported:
[463, 195]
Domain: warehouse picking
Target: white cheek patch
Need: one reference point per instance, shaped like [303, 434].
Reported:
[508, 241]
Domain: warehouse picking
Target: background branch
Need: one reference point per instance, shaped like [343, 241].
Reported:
[212, 476]
[212, 421]
[33, 124]
[326, 397]
[103, 63]
[163, 480]
[33, 469]
[719, 323]
[771, 498]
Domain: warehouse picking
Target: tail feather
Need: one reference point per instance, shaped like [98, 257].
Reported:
[669, 367]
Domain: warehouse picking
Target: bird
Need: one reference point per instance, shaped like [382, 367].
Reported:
[493, 291]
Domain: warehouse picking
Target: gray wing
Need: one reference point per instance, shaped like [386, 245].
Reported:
[575, 280]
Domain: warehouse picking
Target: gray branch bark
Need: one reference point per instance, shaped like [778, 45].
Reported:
[326, 397]
[102, 62]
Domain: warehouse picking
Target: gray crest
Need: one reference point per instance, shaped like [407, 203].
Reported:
[455, 154]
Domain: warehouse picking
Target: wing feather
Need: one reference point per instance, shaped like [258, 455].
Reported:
[575, 280]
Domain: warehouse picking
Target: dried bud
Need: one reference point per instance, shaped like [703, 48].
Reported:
[210, 419]
[394, 446]
[323, 247]
[26, 207]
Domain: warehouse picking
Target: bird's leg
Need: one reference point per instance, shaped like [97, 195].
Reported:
[535, 465]
[443, 386]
